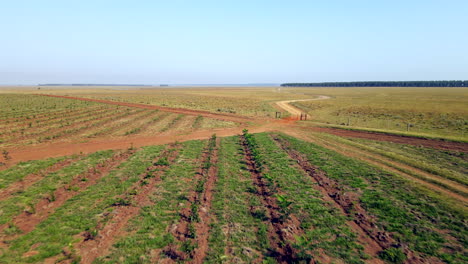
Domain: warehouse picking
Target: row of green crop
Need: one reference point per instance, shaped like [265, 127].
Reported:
[452, 165]
[172, 123]
[414, 215]
[25, 200]
[87, 120]
[324, 228]
[85, 211]
[22, 169]
[150, 232]
[427, 172]
[236, 236]
[22, 106]
[53, 118]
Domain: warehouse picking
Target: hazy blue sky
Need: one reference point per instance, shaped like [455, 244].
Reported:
[238, 41]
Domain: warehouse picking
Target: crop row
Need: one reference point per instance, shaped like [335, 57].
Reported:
[250, 198]
[118, 122]
[27, 107]
[422, 223]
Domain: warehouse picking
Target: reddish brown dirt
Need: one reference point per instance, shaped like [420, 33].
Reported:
[32, 178]
[58, 149]
[431, 143]
[92, 247]
[349, 205]
[225, 117]
[27, 221]
[281, 229]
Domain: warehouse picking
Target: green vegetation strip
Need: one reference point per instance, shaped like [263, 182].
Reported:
[410, 134]
[22, 169]
[433, 161]
[454, 187]
[149, 230]
[325, 228]
[26, 199]
[234, 230]
[415, 217]
[81, 213]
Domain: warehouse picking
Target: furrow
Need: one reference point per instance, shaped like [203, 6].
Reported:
[281, 248]
[27, 220]
[194, 225]
[349, 204]
[30, 179]
[98, 243]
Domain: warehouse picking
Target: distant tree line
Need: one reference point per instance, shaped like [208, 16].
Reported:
[382, 84]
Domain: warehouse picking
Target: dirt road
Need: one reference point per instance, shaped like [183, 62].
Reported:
[295, 111]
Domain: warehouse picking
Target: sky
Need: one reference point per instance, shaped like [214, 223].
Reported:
[231, 41]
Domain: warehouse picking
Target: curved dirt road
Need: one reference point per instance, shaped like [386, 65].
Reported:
[295, 111]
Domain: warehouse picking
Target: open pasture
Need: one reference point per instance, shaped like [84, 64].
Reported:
[431, 111]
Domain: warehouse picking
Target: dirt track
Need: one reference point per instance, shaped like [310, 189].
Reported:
[295, 111]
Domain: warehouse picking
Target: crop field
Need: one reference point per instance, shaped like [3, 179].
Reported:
[204, 175]
[243, 101]
[251, 198]
[32, 119]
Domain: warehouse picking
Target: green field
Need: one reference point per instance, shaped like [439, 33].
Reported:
[292, 192]
[157, 197]
[433, 111]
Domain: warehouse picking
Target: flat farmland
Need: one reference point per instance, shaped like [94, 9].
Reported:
[32, 119]
[429, 111]
[256, 102]
[163, 176]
